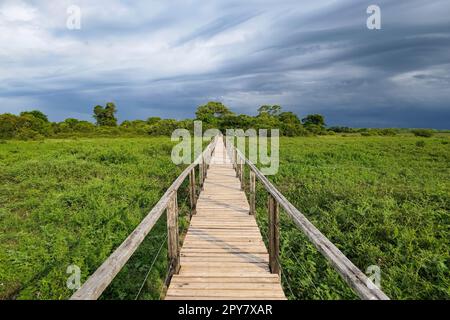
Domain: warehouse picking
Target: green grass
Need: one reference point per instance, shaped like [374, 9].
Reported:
[68, 202]
[381, 200]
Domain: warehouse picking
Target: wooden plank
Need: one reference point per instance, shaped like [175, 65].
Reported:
[248, 293]
[219, 298]
[218, 286]
[217, 250]
[252, 193]
[213, 222]
[220, 255]
[274, 235]
[249, 279]
[218, 242]
[252, 247]
[173, 236]
[192, 191]
[228, 258]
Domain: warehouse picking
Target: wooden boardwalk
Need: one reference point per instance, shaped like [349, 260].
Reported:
[223, 255]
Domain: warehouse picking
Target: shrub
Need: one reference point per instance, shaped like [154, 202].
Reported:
[420, 144]
[8, 123]
[28, 134]
[388, 132]
[426, 133]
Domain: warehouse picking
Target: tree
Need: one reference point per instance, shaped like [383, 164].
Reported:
[212, 112]
[290, 124]
[35, 113]
[106, 116]
[274, 110]
[153, 120]
[314, 119]
[8, 125]
[266, 121]
[289, 117]
[164, 127]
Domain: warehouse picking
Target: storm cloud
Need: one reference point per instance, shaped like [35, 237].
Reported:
[164, 58]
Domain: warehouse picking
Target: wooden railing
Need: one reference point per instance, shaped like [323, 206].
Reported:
[100, 279]
[355, 278]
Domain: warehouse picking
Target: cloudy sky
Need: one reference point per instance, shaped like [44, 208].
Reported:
[164, 58]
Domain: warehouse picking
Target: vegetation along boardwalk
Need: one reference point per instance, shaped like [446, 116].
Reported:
[223, 255]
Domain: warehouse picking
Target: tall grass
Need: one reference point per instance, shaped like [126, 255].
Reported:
[68, 202]
[383, 201]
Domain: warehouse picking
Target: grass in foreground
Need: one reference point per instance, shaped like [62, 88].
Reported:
[68, 202]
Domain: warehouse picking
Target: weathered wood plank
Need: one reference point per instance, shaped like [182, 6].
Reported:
[219, 286]
[173, 236]
[258, 278]
[274, 235]
[192, 191]
[243, 293]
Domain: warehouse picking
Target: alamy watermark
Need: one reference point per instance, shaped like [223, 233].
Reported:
[373, 273]
[74, 280]
[374, 20]
[74, 18]
[259, 150]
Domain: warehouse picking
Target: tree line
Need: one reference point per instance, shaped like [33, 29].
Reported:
[35, 124]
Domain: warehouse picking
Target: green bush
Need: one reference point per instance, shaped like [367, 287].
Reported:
[426, 133]
[420, 144]
[388, 132]
[28, 134]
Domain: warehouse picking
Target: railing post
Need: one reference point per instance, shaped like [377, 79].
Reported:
[274, 234]
[205, 168]
[192, 191]
[237, 165]
[172, 231]
[200, 174]
[241, 173]
[252, 193]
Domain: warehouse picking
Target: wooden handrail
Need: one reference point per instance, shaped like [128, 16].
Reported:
[354, 277]
[102, 277]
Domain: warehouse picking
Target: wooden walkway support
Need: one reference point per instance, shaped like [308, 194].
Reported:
[223, 255]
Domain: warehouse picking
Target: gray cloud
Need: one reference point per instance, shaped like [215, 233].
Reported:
[155, 58]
